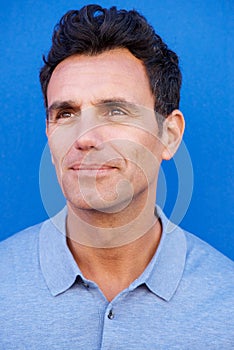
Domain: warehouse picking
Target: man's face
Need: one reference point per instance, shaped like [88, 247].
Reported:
[102, 130]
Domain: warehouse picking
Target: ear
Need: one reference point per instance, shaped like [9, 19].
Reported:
[173, 129]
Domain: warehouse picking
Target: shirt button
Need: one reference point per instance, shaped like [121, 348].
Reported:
[111, 315]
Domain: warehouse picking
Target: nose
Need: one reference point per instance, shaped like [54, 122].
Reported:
[89, 133]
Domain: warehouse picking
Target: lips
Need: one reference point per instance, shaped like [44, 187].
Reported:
[95, 167]
[91, 167]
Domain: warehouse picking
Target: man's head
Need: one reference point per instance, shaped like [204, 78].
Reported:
[105, 76]
[93, 30]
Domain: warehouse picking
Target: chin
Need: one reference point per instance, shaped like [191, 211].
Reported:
[104, 199]
[108, 206]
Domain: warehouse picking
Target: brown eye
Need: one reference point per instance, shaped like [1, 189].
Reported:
[116, 112]
[64, 115]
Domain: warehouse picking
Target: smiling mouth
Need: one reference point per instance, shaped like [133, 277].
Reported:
[92, 169]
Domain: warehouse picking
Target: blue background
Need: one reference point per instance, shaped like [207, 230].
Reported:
[201, 32]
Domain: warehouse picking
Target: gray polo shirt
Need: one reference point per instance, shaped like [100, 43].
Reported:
[183, 299]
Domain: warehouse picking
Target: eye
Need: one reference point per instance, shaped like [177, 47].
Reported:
[116, 112]
[64, 115]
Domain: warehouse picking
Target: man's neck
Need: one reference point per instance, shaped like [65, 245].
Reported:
[114, 269]
[113, 256]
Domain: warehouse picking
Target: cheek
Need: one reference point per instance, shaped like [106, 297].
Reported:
[149, 157]
[148, 163]
[142, 158]
[60, 142]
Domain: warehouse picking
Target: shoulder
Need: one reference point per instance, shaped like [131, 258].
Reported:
[203, 299]
[207, 270]
[200, 253]
[20, 272]
[21, 239]
[20, 250]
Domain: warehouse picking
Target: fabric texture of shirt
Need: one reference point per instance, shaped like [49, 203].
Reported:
[183, 299]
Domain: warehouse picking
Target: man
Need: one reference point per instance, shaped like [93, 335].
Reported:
[106, 272]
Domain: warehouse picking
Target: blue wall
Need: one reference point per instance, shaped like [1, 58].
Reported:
[201, 32]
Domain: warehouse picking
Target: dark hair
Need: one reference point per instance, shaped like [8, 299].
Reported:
[93, 30]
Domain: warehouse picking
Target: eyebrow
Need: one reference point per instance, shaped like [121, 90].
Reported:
[117, 101]
[58, 105]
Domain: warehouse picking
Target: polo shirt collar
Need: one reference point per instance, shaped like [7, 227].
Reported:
[164, 272]
[162, 276]
[57, 263]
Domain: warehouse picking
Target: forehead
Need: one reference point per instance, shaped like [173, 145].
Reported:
[106, 75]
